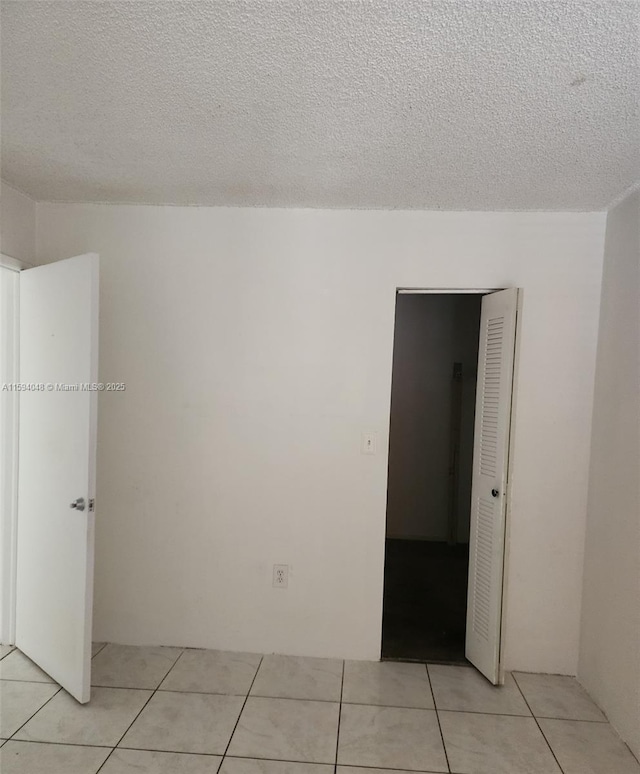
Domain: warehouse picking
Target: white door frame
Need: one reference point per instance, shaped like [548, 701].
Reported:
[9, 452]
[516, 360]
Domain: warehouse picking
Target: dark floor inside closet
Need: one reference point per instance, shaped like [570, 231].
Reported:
[425, 601]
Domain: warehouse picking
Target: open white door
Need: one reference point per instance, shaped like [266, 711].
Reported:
[56, 478]
[489, 482]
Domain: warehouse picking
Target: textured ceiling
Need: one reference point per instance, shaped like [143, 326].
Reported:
[516, 104]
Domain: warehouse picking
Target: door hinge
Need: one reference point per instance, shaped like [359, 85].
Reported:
[92, 505]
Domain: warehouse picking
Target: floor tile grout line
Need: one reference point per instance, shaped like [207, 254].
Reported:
[433, 693]
[180, 655]
[488, 714]
[13, 647]
[11, 738]
[635, 757]
[290, 698]
[573, 720]
[433, 696]
[104, 762]
[244, 704]
[219, 755]
[317, 763]
[241, 695]
[139, 713]
[344, 666]
[138, 688]
[538, 724]
[169, 752]
[63, 744]
[104, 645]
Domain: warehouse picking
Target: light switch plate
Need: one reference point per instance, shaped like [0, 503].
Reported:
[369, 442]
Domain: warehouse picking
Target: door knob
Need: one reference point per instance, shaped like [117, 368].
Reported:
[494, 493]
[78, 504]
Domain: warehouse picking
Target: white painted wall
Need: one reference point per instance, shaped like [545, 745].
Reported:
[8, 449]
[256, 346]
[432, 331]
[17, 224]
[610, 642]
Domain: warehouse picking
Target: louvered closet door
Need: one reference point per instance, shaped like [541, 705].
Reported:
[488, 495]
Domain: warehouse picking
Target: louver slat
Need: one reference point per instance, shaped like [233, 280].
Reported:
[491, 396]
[482, 579]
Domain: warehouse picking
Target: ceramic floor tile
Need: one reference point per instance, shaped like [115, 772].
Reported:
[100, 722]
[213, 671]
[588, 748]
[253, 766]
[37, 758]
[495, 744]
[96, 647]
[290, 677]
[557, 696]
[124, 666]
[19, 701]
[391, 737]
[144, 762]
[185, 722]
[5, 650]
[465, 689]
[387, 683]
[16, 666]
[287, 729]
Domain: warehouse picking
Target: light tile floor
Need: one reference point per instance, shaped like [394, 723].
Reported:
[174, 711]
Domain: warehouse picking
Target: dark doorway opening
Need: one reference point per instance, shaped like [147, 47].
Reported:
[429, 486]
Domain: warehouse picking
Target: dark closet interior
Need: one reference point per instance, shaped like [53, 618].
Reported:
[429, 485]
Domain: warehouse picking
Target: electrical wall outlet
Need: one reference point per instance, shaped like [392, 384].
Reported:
[280, 576]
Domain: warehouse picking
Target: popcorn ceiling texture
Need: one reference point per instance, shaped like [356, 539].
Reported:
[475, 105]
